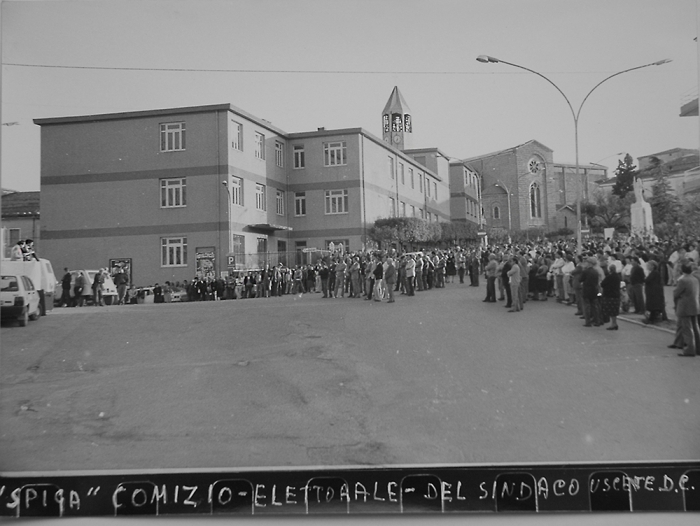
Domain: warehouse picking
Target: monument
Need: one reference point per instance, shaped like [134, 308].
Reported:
[641, 222]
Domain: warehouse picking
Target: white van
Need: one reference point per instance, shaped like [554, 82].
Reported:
[109, 289]
[42, 276]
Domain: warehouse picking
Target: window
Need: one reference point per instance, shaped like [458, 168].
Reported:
[427, 186]
[392, 207]
[420, 182]
[336, 201]
[260, 197]
[237, 191]
[259, 145]
[172, 193]
[402, 209]
[434, 190]
[300, 204]
[238, 247]
[173, 252]
[391, 167]
[299, 161]
[262, 245]
[496, 212]
[279, 154]
[172, 137]
[410, 177]
[535, 203]
[421, 213]
[280, 203]
[14, 236]
[236, 135]
[335, 153]
[401, 174]
[413, 211]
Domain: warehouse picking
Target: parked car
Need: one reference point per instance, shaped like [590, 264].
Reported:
[109, 289]
[19, 299]
[42, 276]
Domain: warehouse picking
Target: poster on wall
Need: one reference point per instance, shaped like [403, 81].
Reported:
[206, 262]
[119, 265]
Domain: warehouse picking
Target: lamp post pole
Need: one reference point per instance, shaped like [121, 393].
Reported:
[575, 115]
[510, 223]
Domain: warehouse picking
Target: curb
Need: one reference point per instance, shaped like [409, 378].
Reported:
[630, 320]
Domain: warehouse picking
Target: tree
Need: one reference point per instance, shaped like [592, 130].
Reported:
[665, 205]
[625, 173]
[608, 210]
[457, 232]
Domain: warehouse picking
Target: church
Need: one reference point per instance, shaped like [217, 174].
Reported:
[202, 190]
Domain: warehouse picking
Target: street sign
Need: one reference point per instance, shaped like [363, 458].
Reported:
[309, 249]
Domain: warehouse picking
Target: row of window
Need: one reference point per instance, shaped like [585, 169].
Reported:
[402, 178]
[172, 139]
[409, 211]
[174, 249]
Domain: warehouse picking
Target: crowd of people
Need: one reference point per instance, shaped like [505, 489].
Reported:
[605, 279]
[602, 280]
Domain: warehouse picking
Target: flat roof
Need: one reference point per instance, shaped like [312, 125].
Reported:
[157, 113]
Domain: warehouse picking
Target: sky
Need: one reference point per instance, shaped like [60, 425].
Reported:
[304, 64]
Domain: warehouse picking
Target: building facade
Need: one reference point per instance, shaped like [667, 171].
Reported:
[200, 190]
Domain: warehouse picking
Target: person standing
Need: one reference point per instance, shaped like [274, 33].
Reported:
[378, 277]
[97, 285]
[491, 274]
[65, 289]
[611, 296]
[121, 281]
[410, 275]
[17, 253]
[419, 271]
[355, 290]
[514, 282]
[506, 281]
[590, 280]
[636, 286]
[340, 267]
[687, 304]
[654, 292]
[78, 287]
[323, 274]
[390, 278]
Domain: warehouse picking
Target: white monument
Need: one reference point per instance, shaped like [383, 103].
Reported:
[640, 212]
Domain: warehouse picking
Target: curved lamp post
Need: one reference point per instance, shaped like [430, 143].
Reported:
[575, 114]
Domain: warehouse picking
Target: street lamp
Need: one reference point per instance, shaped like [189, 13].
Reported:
[230, 219]
[575, 114]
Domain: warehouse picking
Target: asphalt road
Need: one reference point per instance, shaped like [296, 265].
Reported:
[303, 381]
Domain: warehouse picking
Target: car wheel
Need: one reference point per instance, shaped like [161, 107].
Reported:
[35, 315]
[22, 320]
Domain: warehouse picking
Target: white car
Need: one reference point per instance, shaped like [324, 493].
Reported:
[19, 299]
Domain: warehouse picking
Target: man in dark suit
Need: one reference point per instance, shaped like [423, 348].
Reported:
[590, 279]
[685, 298]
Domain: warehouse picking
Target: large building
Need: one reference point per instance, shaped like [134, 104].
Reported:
[522, 188]
[203, 189]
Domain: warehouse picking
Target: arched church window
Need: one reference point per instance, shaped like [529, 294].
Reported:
[496, 212]
[535, 200]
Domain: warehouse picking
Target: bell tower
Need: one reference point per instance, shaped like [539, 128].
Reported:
[397, 124]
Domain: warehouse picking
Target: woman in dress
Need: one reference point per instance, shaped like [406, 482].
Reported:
[611, 296]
